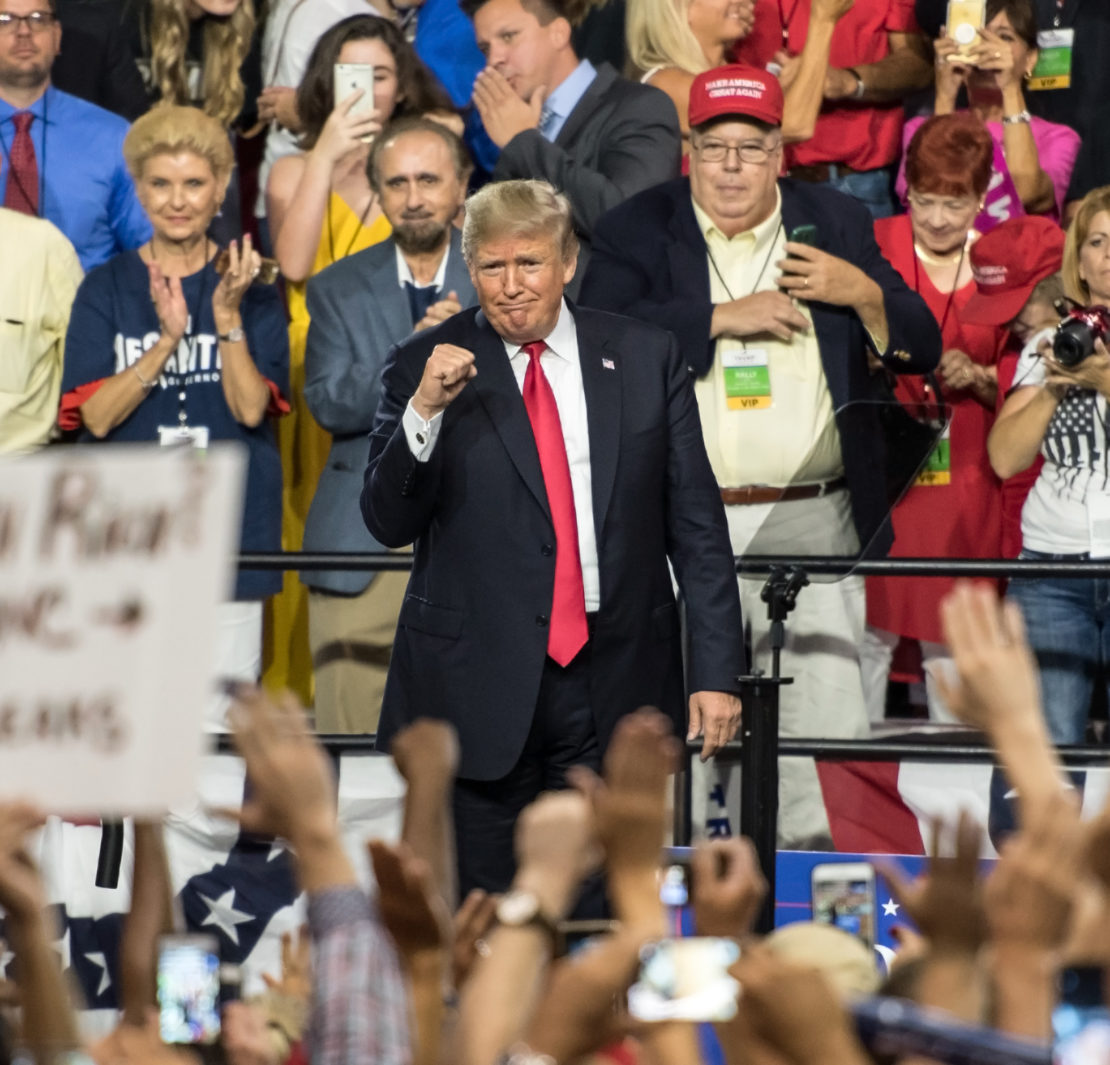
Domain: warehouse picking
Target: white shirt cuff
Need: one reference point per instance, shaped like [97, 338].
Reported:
[421, 435]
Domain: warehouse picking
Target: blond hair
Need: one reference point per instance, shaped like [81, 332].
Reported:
[168, 129]
[1074, 286]
[226, 43]
[517, 208]
[658, 35]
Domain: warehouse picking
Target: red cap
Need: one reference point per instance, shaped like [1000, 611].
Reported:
[1008, 263]
[736, 90]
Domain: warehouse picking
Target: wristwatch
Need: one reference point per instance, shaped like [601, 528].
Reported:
[520, 909]
[233, 336]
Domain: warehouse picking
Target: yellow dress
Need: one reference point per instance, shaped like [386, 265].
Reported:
[304, 451]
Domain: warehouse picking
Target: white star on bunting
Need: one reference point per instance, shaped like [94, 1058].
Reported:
[223, 914]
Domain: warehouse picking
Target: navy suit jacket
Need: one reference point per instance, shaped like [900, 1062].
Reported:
[472, 637]
[359, 312]
[649, 261]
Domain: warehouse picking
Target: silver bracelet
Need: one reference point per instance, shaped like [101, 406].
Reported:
[1013, 120]
[147, 385]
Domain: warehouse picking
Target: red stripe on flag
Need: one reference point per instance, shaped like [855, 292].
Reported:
[865, 810]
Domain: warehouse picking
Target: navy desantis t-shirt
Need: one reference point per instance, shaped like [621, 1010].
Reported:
[113, 323]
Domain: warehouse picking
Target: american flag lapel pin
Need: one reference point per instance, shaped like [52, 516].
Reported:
[608, 364]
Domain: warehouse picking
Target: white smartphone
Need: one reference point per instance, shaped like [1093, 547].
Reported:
[843, 895]
[685, 980]
[189, 989]
[352, 76]
[965, 19]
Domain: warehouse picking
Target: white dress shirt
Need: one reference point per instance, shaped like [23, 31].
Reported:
[563, 369]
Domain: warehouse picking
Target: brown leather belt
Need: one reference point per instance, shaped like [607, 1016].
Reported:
[365, 654]
[819, 172]
[768, 493]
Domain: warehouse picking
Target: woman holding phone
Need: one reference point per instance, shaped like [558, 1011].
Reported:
[1033, 158]
[321, 209]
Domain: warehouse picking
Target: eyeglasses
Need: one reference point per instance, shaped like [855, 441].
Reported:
[750, 152]
[953, 208]
[36, 21]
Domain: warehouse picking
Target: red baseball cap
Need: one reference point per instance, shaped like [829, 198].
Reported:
[736, 90]
[1008, 263]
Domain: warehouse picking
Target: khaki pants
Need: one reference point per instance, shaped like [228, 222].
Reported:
[351, 637]
[823, 636]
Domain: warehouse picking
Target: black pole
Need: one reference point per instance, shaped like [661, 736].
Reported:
[759, 780]
[111, 854]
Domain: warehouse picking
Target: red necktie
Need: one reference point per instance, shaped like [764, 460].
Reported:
[568, 632]
[22, 192]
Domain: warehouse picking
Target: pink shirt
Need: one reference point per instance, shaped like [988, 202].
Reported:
[1057, 147]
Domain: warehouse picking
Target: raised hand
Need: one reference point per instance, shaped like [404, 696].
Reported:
[169, 303]
[728, 887]
[345, 130]
[439, 311]
[503, 113]
[446, 373]
[946, 903]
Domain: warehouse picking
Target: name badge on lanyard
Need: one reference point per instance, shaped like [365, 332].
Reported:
[938, 466]
[747, 379]
[1053, 69]
[183, 436]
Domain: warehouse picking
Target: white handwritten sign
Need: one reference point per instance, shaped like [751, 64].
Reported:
[113, 561]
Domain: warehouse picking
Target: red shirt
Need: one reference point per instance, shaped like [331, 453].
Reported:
[862, 137]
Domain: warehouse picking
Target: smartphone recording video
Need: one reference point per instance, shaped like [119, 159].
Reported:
[189, 989]
[843, 895]
[685, 980]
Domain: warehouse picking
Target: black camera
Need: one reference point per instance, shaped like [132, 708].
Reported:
[1076, 334]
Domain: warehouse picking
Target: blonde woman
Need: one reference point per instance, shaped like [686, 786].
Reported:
[163, 348]
[199, 52]
[671, 41]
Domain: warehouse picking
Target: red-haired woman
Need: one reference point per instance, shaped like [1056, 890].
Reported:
[953, 508]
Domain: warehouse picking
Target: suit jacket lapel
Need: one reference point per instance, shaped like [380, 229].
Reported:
[689, 269]
[499, 393]
[456, 278]
[601, 381]
[390, 296]
[585, 107]
[828, 323]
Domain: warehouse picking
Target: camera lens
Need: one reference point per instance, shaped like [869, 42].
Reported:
[1073, 342]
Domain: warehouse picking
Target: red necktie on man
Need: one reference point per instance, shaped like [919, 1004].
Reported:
[568, 632]
[22, 192]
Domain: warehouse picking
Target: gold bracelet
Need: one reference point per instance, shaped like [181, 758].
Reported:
[147, 385]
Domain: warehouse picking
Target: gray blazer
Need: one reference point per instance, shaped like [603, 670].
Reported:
[621, 138]
[358, 313]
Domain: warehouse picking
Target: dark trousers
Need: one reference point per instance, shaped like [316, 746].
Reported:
[562, 735]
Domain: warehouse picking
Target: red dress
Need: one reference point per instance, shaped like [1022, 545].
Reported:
[960, 519]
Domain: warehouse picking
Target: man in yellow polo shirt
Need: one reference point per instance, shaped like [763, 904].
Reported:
[777, 294]
[39, 275]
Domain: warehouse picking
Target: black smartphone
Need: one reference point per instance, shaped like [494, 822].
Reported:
[804, 234]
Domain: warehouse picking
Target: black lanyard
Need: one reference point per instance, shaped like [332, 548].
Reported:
[758, 280]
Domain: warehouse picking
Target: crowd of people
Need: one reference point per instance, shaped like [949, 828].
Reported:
[410, 975]
[572, 333]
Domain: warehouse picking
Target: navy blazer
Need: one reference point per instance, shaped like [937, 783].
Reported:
[472, 637]
[358, 312]
[649, 261]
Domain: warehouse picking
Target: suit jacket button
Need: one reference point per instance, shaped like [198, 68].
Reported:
[547, 550]
[541, 620]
